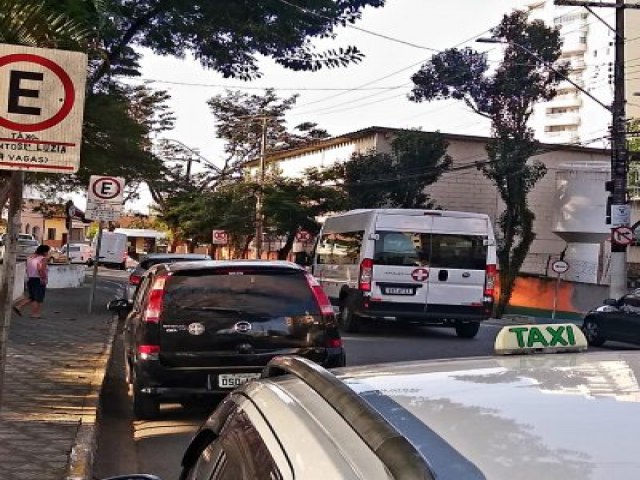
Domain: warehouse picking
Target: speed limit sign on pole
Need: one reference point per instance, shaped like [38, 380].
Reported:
[219, 237]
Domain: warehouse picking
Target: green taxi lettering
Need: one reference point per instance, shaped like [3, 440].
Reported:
[533, 336]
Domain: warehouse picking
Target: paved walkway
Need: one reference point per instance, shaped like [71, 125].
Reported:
[55, 368]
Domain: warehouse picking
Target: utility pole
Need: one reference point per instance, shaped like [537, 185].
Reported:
[260, 193]
[9, 266]
[620, 207]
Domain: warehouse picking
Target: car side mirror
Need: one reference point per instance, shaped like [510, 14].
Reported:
[611, 302]
[119, 306]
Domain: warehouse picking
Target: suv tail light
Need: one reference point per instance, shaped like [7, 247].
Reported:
[156, 295]
[135, 279]
[366, 274]
[323, 301]
[149, 352]
[490, 281]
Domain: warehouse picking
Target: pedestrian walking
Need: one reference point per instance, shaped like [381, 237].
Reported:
[37, 277]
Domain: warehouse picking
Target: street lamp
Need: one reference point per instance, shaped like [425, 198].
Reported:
[618, 185]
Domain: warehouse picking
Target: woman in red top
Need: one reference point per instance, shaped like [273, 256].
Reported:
[37, 277]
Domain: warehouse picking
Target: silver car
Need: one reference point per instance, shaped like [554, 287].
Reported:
[564, 416]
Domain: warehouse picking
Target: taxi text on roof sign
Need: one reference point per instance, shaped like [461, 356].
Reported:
[565, 337]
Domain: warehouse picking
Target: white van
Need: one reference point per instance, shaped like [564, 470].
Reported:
[425, 266]
[78, 253]
[113, 249]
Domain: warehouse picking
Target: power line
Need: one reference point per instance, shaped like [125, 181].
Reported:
[245, 87]
[338, 106]
[375, 34]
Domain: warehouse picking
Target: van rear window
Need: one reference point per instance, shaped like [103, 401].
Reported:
[271, 293]
[431, 249]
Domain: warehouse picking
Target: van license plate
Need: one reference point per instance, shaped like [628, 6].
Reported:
[398, 291]
[233, 380]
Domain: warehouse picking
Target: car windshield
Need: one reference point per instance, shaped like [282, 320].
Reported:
[28, 242]
[253, 292]
[147, 263]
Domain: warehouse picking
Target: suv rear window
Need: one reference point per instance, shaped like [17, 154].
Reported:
[436, 250]
[260, 292]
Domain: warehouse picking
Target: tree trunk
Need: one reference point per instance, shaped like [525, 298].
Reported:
[245, 249]
[283, 253]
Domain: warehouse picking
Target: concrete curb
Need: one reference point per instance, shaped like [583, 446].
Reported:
[81, 457]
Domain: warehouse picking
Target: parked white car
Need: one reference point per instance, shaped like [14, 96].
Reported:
[79, 253]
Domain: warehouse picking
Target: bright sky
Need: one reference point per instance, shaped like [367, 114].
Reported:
[428, 24]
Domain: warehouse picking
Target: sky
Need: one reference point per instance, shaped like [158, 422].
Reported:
[371, 93]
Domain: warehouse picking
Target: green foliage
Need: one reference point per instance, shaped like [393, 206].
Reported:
[35, 24]
[506, 96]
[230, 35]
[397, 179]
[240, 118]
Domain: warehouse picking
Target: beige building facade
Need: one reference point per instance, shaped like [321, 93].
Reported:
[569, 215]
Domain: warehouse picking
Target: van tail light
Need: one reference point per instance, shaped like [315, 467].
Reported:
[156, 296]
[149, 352]
[366, 274]
[490, 281]
[334, 343]
[321, 298]
[135, 279]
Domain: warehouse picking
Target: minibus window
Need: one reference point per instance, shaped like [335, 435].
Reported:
[434, 250]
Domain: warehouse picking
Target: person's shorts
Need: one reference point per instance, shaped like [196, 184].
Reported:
[36, 290]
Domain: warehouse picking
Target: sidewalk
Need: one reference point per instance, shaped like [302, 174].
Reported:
[55, 368]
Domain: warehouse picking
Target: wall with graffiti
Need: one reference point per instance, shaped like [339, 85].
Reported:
[535, 296]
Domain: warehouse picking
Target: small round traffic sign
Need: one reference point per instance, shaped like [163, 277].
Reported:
[622, 235]
[420, 274]
[106, 188]
[303, 236]
[560, 266]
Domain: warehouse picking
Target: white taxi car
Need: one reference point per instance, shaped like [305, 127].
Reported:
[563, 416]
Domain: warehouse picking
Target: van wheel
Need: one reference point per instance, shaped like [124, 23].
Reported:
[349, 322]
[145, 406]
[467, 330]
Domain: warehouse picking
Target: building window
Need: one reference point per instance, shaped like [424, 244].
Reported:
[51, 233]
[27, 228]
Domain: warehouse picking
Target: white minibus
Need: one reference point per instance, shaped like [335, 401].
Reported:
[419, 266]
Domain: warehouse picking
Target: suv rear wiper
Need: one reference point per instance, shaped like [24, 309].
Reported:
[214, 309]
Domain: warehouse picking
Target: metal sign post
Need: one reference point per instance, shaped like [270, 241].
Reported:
[560, 267]
[94, 278]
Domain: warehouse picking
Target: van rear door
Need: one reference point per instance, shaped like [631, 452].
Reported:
[458, 261]
[401, 262]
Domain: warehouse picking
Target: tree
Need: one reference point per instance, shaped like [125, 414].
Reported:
[240, 118]
[227, 35]
[294, 204]
[397, 179]
[505, 95]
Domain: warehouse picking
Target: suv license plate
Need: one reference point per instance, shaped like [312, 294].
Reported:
[233, 380]
[399, 291]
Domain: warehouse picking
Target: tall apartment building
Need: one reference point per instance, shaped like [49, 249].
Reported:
[588, 47]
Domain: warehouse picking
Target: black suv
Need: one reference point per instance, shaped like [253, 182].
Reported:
[205, 327]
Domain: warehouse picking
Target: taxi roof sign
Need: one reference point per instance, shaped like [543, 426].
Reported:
[550, 338]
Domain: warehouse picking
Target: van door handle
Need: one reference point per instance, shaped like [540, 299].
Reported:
[443, 275]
